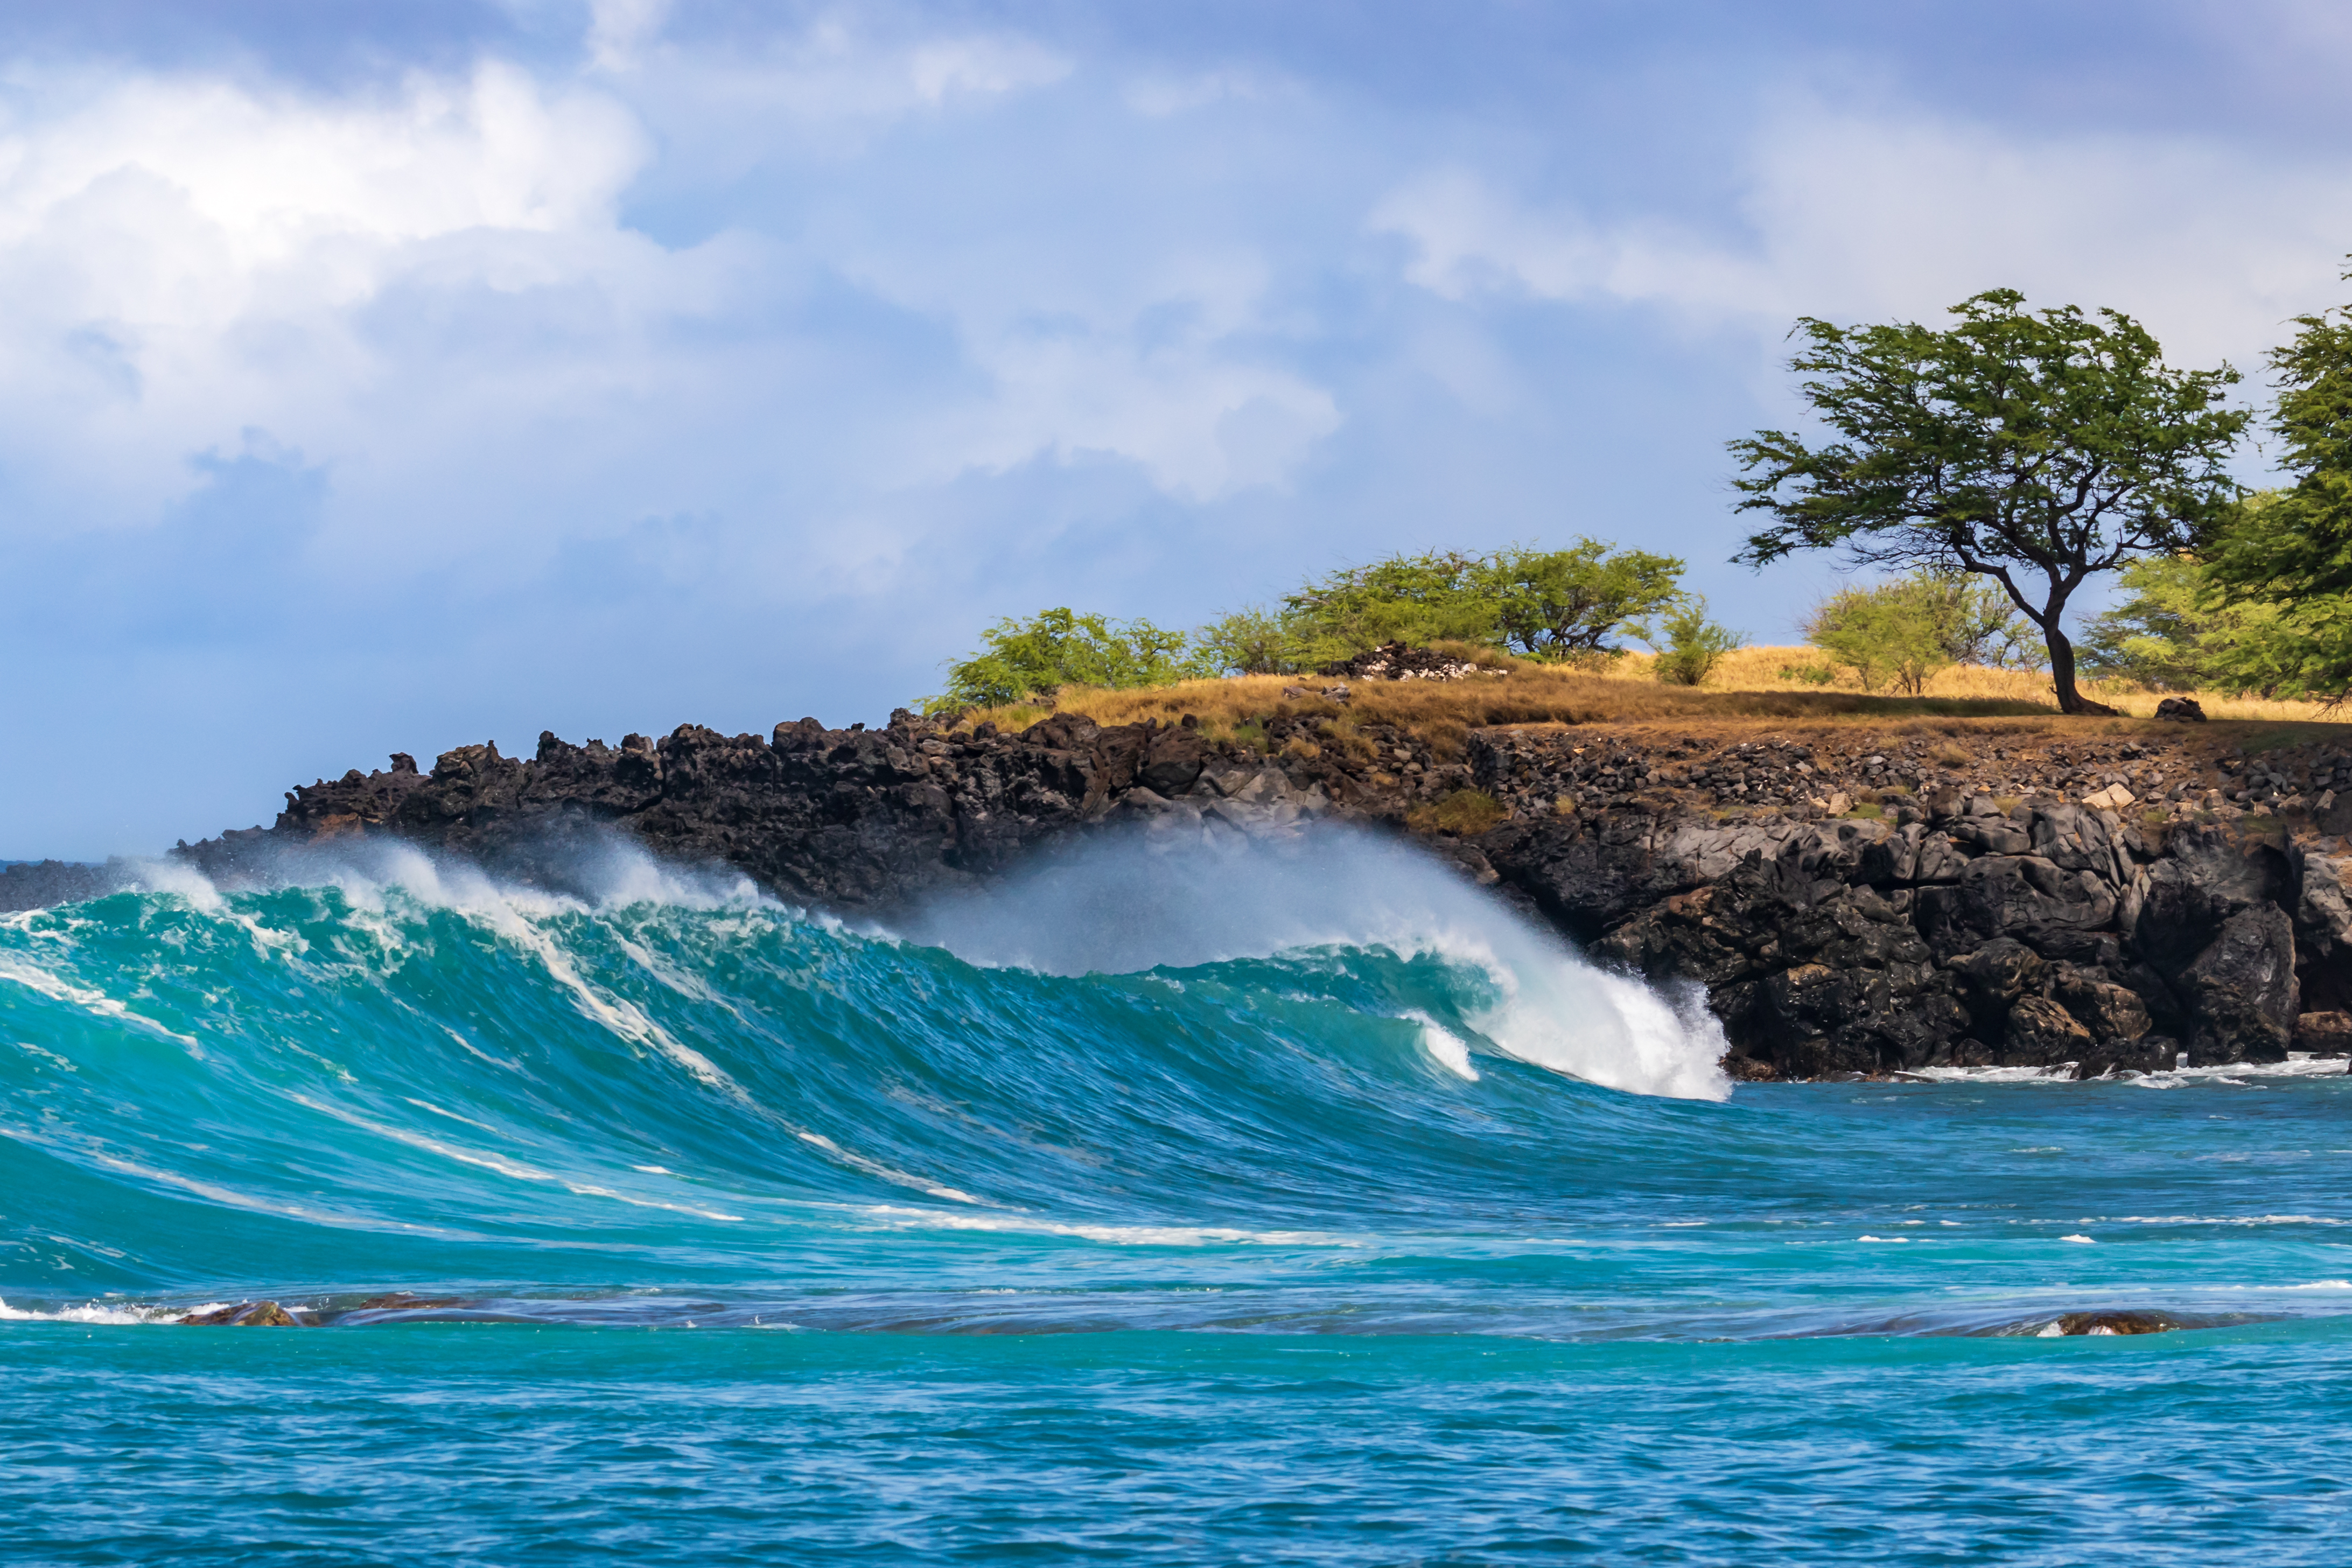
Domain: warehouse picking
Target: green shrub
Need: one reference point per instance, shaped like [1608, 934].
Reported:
[1020, 660]
[1900, 633]
[1694, 645]
[2174, 631]
[1560, 604]
[1250, 641]
[1553, 605]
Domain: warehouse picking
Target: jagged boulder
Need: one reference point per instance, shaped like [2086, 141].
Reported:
[2041, 1033]
[2013, 895]
[2240, 990]
[244, 1315]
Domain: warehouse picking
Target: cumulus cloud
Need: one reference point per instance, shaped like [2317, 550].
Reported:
[1859, 215]
[186, 258]
[439, 279]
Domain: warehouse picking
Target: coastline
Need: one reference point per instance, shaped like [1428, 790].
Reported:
[1854, 899]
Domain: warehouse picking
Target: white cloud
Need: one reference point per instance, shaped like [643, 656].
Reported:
[1858, 216]
[832, 85]
[433, 293]
[619, 30]
[185, 258]
[1161, 95]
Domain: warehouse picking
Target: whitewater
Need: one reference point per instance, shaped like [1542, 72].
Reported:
[1294, 1203]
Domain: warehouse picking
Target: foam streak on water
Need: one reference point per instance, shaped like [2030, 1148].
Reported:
[1298, 1204]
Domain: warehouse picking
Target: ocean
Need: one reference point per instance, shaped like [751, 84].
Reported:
[1303, 1208]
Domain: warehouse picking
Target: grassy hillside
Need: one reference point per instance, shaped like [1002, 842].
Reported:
[1747, 690]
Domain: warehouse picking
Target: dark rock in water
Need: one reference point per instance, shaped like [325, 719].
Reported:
[2181, 710]
[2042, 1033]
[244, 1315]
[2324, 1034]
[2075, 1323]
[401, 1302]
[2241, 989]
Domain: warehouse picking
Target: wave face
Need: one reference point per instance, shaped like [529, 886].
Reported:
[1324, 1100]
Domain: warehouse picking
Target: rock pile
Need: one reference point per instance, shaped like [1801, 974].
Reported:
[1398, 661]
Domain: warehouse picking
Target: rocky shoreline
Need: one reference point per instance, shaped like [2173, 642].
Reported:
[1853, 899]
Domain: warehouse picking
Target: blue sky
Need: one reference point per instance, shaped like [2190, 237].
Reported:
[396, 377]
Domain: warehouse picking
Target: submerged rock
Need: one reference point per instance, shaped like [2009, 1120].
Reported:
[2075, 1323]
[244, 1315]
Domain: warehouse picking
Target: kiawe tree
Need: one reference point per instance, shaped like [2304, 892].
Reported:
[2036, 448]
[1558, 604]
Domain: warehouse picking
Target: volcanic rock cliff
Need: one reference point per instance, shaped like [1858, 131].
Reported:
[1857, 901]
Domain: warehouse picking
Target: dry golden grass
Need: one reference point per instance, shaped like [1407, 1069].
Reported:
[1760, 670]
[1746, 691]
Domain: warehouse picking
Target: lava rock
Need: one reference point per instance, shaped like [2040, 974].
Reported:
[2083, 1323]
[244, 1315]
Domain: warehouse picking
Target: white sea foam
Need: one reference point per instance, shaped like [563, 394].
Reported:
[1125, 904]
[2238, 1073]
[2231, 1073]
[876, 1168]
[1445, 1047]
[124, 1315]
[2062, 1073]
[59, 989]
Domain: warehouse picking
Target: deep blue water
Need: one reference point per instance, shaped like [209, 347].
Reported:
[1270, 1216]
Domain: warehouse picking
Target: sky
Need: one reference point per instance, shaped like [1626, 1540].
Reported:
[394, 377]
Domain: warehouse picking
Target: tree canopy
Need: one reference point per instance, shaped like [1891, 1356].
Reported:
[2035, 448]
[2289, 553]
[1546, 604]
[1036, 658]
[1551, 603]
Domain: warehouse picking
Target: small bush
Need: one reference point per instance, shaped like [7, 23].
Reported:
[1250, 641]
[1695, 645]
[1810, 674]
[1902, 632]
[1023, 660]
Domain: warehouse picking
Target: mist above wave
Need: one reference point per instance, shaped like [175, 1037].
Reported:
[1131, 902]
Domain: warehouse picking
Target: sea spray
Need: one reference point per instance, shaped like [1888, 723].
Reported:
[1141, 902]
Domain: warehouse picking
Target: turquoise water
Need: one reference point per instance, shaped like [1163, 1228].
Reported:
[776, 1240]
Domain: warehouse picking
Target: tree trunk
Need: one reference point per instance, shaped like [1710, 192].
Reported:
[2061, 672]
